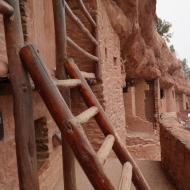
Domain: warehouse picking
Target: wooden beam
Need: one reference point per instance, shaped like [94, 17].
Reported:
[81, 50]
[87, 75]
[72, 131]
[126, 177]
[61, 53]
[23, 108]
[119, 148]
[86, 115]
[68, 83]
[80, 24]
[5, 8]
[106, 148]
[86, 13]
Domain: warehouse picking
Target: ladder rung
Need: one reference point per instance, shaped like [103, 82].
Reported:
[81, 50]
[5, 8]
[69, 83]
[86, 115]
[126, 177]
[106, 148]
[87, 75]
[77, 20]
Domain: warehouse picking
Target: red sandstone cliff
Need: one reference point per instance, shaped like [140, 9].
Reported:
[145, 53]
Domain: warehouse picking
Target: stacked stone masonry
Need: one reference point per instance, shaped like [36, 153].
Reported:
[175, 153]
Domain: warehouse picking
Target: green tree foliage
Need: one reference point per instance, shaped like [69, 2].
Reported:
[185, 67]
[163, 28]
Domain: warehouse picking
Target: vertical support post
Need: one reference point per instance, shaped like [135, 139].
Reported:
[61, 53]
[22, 94]
[98, 54]
[157, 102]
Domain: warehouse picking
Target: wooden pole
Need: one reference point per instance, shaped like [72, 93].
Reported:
[61, 53]
[119, 148]
[23, 108]
[72, 130]
[5, 8]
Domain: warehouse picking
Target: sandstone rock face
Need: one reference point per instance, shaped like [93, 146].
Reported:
[145, 53]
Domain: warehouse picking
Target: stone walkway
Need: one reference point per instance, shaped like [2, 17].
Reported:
[151, 169]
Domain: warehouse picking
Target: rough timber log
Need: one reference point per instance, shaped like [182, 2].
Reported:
[61, 53]
[72, 131]
[23, 111]
[105, 125]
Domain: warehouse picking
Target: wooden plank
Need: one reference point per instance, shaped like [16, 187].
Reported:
[86, 115]
[119, 148]
[106, 148]
[61, 52]
[5, 8]
[126, 177]
[81, 50]
[86, 13]
[59, 110]
[80, 24]
[23, 108]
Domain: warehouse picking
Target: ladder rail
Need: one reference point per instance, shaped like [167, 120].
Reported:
[105, 125]
[5, 8]
[72, 130]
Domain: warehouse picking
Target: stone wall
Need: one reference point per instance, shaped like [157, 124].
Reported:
[110, 67]
[8, 169]
[175, 153]
[139, 107]
[108, 89]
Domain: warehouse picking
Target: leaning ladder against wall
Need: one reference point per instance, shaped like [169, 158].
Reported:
[62, 39]
[60, 7]
[91, 162]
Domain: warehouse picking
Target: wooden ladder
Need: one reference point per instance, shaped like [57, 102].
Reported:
[71, 126]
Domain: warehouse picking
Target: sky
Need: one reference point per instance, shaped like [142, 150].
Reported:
[178, 13]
